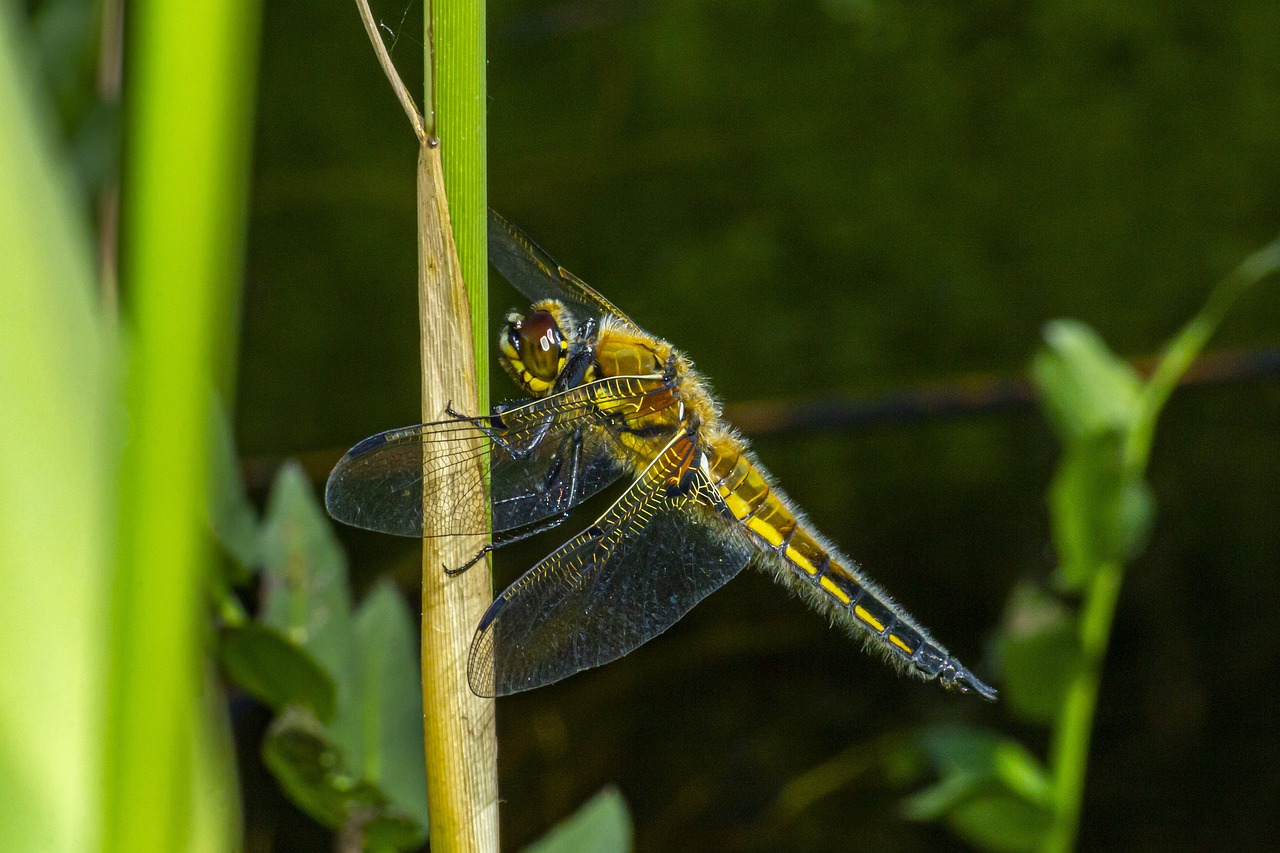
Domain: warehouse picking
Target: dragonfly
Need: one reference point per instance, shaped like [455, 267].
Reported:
[608, 402]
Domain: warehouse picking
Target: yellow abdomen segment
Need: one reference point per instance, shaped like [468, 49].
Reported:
[829, 577]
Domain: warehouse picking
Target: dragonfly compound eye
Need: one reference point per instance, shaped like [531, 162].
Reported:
[542, 345]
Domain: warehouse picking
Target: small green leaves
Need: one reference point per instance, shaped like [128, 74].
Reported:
[392, 698]
[305, 596]
[1087, 390]
[997, 820]
[232, 518]
[1101, 511]
[305, 573]
[347, 746]
[275, 671]
[601, 825]
[1100, 505]
[990, 790]
[316, 776]
[372, 785]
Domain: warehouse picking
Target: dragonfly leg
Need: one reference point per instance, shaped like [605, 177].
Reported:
[481, 422]
[456, 415]
[572, 443]
[508, 538]
[479, 555]
[555, 521]
[581, 355]
[493, 429]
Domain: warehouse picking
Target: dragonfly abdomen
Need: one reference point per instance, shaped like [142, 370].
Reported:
[802, 559]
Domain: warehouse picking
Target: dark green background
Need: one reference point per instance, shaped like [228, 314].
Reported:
[821, 199]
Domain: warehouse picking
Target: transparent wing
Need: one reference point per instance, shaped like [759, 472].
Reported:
[536, 274]
[544, 457]
[644, 564]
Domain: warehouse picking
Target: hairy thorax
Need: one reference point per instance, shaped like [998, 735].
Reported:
[620, 351]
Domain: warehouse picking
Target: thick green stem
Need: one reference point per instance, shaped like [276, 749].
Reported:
[188, 124]
[459, 122]
[458, 726]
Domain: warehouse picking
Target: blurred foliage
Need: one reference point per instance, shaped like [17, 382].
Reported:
[1039, 653]
[59, 383]
[346, 744]
[67, 37]
[172, 269]
[991, 790]
[601, 825]
[1100, 504]
[1101, 508]
[114, 735]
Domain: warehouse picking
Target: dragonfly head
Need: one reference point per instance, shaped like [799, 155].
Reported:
[535, 345]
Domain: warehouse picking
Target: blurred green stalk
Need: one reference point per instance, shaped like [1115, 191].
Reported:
[1074, 730]
[189, 83]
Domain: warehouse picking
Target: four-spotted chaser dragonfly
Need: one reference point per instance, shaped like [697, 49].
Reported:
[609, 400]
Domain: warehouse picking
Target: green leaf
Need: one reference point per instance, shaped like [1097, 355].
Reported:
[232, 518]
[305, 597]
[1085, 389]
[940, 799]
[363, 773]
[393, 748]
[601, 825]
[997, 820]
[1101, 511]
[59, 482]
[978, 752]
[314, 772]
[276, 671]
[1021, 773]
[1040, 652]
[990, 790]
[1101, 507]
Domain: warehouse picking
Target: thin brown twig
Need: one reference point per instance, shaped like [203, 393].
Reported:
[393, 76]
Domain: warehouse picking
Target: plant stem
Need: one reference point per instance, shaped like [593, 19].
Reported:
[1189, 342]
[459, 736]
[186, 167]
[1074, 730]
[459, 122]
[458, 726]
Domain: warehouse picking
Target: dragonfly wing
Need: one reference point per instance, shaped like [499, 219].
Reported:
[543, 457]
[536, 274]
[635, 572]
